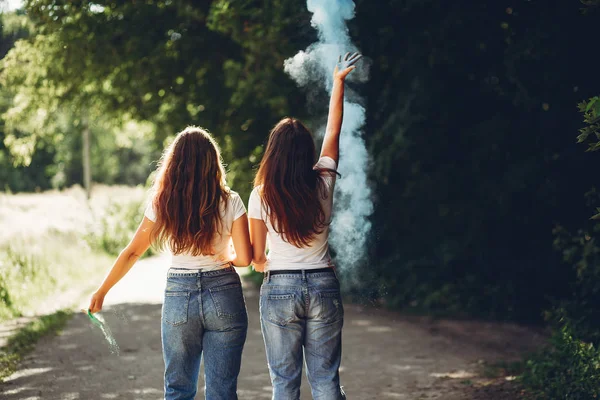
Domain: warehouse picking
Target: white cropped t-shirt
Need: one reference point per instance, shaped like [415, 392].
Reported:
[283, 255]
[222, 245]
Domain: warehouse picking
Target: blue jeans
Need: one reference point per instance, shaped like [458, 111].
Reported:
[303, 313]
[203, 314]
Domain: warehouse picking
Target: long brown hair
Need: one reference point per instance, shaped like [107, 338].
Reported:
[188, 190]
[291, 188]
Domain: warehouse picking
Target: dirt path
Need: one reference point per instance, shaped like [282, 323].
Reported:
[386, 355]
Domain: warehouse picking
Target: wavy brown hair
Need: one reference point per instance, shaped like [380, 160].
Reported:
[187, 194]
[291, 188]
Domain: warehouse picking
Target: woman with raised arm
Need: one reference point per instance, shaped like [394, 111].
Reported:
[195, 215]
[301, 308]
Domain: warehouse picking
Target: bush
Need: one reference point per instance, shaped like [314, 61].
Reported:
[117, 226]
[581, 311]
[567, 369]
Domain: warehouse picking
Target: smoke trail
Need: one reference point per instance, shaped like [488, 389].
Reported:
[353, 204]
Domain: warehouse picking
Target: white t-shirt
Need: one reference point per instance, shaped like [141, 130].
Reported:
[283, 255]
[222, 245]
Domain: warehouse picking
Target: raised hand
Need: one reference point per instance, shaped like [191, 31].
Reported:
[345, 66]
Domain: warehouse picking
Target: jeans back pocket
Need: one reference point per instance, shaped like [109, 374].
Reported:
[229, 300]
[278, 308]
[175, 308]
[332, 308]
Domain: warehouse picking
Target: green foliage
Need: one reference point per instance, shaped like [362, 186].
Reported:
[31, 269]
[162, 69]
[591, 116]
[23, 341]
[14, 26]
[472, 166]
[116, 227]
[567, 369]
[580, 311]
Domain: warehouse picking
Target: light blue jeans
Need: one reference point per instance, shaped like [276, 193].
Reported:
[303, 313]
[203, 314]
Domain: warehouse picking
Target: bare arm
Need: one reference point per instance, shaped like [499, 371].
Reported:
[258, 238]
[331, 141]
[127, 258]
[241, 242]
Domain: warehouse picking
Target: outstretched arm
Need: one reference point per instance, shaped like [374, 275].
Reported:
[127, 258]
[331, 141]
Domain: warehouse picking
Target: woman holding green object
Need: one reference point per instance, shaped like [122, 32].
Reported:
[195, 215]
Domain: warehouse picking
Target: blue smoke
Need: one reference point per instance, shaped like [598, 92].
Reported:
[352, 203]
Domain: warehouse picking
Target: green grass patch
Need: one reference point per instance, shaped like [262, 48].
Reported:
[24, 340]
[71, 246]
[34, 269]
[52, 255]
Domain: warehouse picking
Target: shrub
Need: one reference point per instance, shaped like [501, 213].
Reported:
[581, 310]
[567, 369]
[117, 226]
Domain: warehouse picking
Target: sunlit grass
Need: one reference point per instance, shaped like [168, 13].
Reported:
[55, 246]
[54, 242]
[34, 269]
[35, 214]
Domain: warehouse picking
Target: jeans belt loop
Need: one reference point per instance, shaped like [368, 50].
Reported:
[303, 274]
[268, 276]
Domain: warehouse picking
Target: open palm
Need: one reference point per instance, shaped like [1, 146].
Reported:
[345, 66]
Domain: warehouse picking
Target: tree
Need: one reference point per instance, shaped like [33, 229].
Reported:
[469, 106]
[173, 63]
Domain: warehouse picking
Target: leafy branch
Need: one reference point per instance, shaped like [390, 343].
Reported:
[591, 116]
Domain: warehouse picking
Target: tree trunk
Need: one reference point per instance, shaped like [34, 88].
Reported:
[87, 169]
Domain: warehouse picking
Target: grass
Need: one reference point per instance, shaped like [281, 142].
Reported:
[23, 341]
[32, 270]
[57, 241]
[54, 246]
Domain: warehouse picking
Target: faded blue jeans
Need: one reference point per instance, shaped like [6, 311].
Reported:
[303, 313]
[203, 314]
